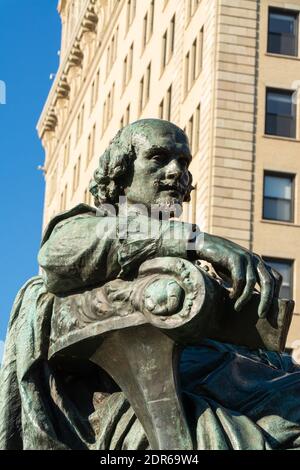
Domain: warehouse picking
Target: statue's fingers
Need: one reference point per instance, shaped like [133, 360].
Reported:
[277, 280]
[267, 285]
[248, 290]
[238, 276]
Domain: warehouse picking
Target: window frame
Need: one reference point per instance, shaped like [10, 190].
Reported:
[284, 11]
[294, 105]
[280, 174]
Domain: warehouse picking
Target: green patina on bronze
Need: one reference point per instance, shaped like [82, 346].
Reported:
[101, 347]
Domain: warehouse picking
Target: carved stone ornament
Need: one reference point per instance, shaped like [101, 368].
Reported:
[63, 88]
[76, 56]
[51, 120]
[90, 20]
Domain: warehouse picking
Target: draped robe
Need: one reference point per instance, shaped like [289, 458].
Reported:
[233, 397]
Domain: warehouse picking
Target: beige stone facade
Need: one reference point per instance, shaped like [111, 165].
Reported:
[202, 64]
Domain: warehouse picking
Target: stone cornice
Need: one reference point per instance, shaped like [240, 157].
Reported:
[72, 57]
[90, 20]
[51, 140]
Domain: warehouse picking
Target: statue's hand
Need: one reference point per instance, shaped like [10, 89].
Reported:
[245, 270]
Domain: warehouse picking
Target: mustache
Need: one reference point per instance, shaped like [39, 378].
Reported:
[167, 185]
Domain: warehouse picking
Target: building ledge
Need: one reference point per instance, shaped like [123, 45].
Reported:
[282, 56]
[73, 57]
[279, 222]
[279, 137]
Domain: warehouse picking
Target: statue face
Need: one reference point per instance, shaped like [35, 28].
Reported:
[161, 166]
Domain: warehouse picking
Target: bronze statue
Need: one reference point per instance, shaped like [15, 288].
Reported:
[126, 342]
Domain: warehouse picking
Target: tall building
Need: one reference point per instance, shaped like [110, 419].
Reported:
[227, 71]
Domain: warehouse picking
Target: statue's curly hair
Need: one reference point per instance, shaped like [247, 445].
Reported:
[116, 167]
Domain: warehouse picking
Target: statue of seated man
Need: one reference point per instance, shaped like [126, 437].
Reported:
[233, 397]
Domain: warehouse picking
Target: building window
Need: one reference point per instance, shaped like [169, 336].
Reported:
[193, 131]
[131, 7]
[278, 197]
[191, 7]
[94, 91]
[67, 152]
[199, 62]
[127, 115]
[190, 131]
[161, 109]
[169, 103]
[187, 81]
[130, 63]
[63, 199]
[145, 32]
[171, 37]
[145, 88]
[91, 145]
[76, 175]
[280, 113]
[164, 51]
[127, 67]
[151, 17]
[125, 118]
[108, 108]
[165, 106]
[79, 125]
[285, 268]
[112, 52]
[193, 61]
[142, 93]
[196, 140]
[148, 23]
[168, 42]
[283, 32]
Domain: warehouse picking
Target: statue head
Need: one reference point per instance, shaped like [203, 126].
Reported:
[147, 162]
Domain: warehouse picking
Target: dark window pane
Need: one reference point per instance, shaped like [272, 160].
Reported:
[281, 114]
[280, 103]
[280, 125]
[281, 44]
[274, 43]
[281, 22]
[277, 209]
[283, 34]
[278, 197]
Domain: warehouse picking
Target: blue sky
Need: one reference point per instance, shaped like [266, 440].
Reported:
[29, 41]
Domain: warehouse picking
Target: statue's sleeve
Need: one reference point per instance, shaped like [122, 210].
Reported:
[78, 254]
[149, 238]
[85, 251]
